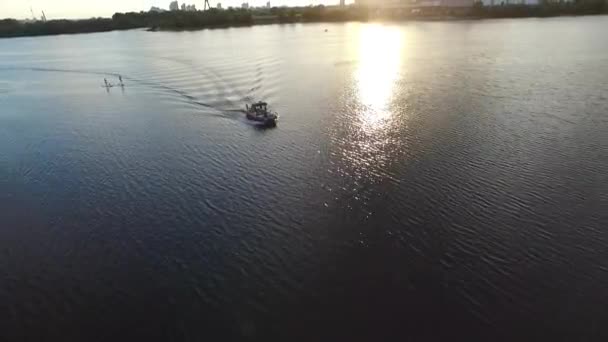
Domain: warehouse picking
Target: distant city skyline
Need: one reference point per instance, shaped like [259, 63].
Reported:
[75, 9]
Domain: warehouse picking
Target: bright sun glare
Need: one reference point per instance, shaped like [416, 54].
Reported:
[380, 57]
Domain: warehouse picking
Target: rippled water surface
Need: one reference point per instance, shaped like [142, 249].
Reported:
[426, 181]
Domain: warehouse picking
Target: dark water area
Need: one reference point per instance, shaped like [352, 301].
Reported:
[426, 182]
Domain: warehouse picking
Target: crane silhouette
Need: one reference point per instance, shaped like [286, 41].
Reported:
[206, 6]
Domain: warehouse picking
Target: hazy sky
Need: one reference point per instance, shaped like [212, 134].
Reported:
[54, 9]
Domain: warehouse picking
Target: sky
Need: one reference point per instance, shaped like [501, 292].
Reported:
[73, 9]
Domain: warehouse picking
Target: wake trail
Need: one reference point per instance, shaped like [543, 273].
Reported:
[217, 80]
[151, 84]
[225, 86]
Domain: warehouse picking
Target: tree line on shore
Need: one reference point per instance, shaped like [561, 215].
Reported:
[183, 20]
[175, 20]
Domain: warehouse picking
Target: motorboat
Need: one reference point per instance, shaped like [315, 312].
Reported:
[260, 113]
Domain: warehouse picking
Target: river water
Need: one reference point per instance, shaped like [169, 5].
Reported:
[426, 181]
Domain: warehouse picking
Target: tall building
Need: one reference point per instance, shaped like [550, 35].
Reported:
[183, 7]
[174, 6]
[245, 5]
[342, 3]
[219, 5]
[268, 4]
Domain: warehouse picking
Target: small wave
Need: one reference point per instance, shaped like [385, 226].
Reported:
[217, 80]
[228, 81]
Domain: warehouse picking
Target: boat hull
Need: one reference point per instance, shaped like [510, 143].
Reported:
[270, 121]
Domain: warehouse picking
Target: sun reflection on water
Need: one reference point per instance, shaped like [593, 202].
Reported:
[368, 134]
[380, 49]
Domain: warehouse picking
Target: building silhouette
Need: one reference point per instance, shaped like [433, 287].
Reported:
[411, 4]
[174, 6]
[420, 4]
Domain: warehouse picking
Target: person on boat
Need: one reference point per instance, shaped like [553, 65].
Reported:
[120, 79]
[106, 82]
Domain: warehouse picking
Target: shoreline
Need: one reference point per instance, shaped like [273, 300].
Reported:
[194, 21]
